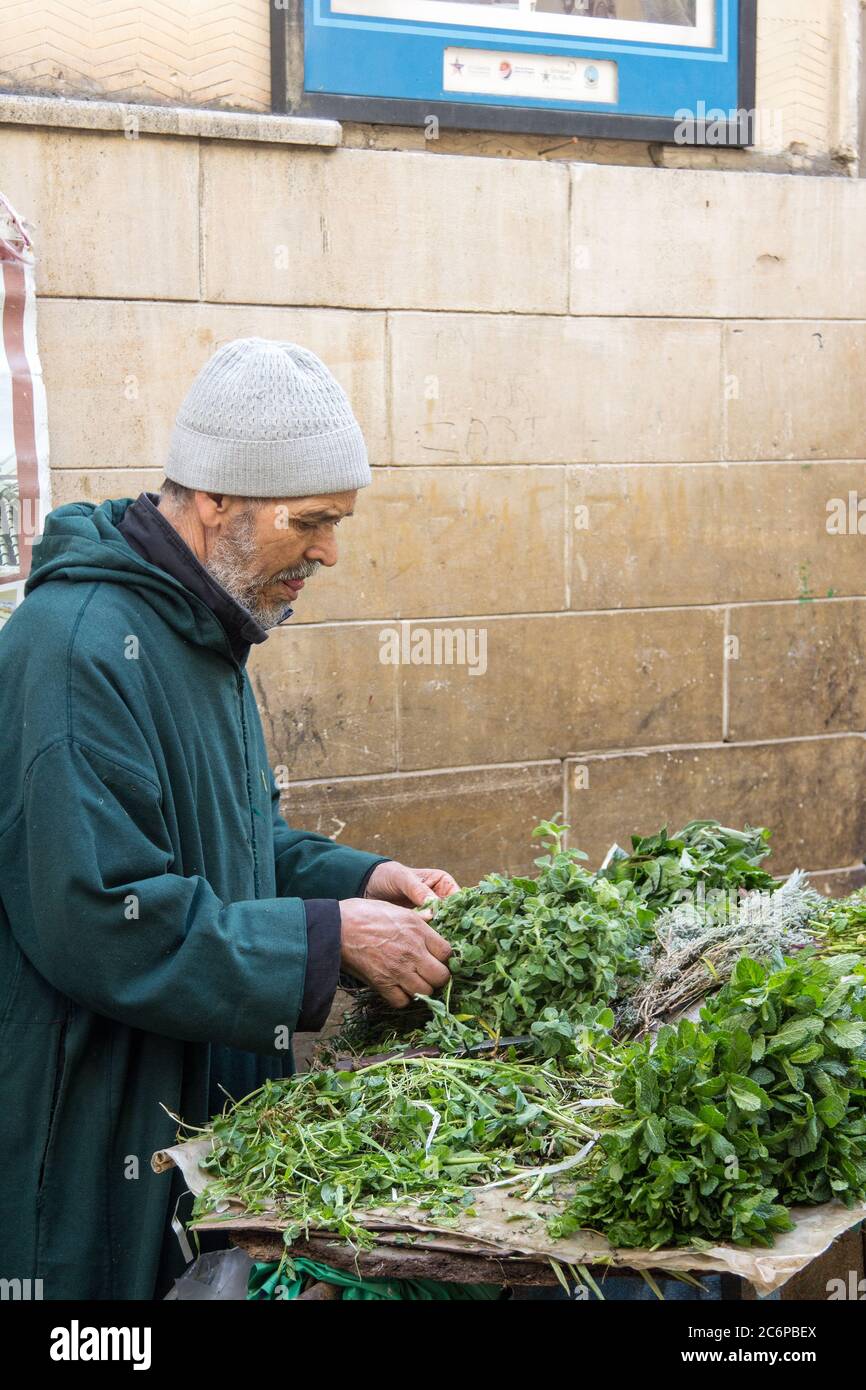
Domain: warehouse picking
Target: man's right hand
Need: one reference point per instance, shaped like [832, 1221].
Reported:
[392, 949]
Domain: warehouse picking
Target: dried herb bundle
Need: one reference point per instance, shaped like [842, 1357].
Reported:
[700, 943]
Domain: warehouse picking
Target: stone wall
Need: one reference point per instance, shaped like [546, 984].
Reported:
[192, 52]
[216, 53]
[607, 409]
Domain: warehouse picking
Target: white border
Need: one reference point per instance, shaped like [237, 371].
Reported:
[525, 71]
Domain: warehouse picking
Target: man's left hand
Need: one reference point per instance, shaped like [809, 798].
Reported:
[393, 882]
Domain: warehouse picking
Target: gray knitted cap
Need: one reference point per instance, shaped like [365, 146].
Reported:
[267, 419]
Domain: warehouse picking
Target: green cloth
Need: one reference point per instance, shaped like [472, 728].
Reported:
[271, 1281]
[152, 930]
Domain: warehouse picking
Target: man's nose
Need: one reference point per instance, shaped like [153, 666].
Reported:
[325, 551]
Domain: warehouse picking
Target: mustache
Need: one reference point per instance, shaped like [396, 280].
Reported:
[305, 570]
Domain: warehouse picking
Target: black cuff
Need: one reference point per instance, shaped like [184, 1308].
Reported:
[323, 963]
[350, 982]
[362, 886]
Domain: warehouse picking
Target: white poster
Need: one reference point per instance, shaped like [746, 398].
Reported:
[681, 23]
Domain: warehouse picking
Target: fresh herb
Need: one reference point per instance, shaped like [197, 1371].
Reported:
[708, 1133]
[320, 1148]
[807, 1025]
[703, 860]
[841, 923]
[726, 1122]
[530, 955]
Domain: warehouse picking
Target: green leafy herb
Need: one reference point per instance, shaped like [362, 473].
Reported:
[703, 859]
[322, 1147]
[530, 954]
[842, 923]
[726, 1123]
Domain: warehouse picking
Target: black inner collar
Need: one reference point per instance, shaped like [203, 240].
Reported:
[154, 538]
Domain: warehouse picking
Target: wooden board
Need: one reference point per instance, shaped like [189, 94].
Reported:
[400, 1261]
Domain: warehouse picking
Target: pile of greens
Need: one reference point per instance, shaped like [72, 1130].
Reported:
[708, 1133]
[322, 1147]
[533, 957]
[841, 923]
[725, 1123]
[529, 956]
[702, 860]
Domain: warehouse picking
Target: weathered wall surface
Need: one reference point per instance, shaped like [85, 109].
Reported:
[217, 53]
[196, 52]
[607, 411]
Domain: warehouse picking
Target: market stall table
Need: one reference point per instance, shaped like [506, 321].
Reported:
[504, 1239]
[845, 1260]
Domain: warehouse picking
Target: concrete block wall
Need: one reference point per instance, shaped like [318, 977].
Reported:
[607, 410]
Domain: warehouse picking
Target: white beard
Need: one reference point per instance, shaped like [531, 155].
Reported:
[232, 563]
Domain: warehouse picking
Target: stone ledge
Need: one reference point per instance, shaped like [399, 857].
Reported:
[133, 119]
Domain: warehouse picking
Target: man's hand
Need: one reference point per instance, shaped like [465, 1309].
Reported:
[393, 882]
[393, 950]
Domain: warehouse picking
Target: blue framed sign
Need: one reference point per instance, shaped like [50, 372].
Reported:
[672, 70]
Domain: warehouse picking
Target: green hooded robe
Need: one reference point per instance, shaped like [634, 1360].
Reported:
[152, 929]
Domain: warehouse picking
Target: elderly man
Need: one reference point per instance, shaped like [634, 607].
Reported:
[162, 930]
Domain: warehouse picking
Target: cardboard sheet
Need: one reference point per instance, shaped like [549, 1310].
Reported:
[505, 1225]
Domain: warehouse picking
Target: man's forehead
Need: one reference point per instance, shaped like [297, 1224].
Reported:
[331, 504]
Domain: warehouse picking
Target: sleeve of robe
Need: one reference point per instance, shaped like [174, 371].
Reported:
[306, 861]
[114, 929]
[312, 866]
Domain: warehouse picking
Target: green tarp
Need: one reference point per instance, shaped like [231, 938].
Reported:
[288, 1280]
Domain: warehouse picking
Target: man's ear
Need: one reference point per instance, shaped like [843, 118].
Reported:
[210, 507]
